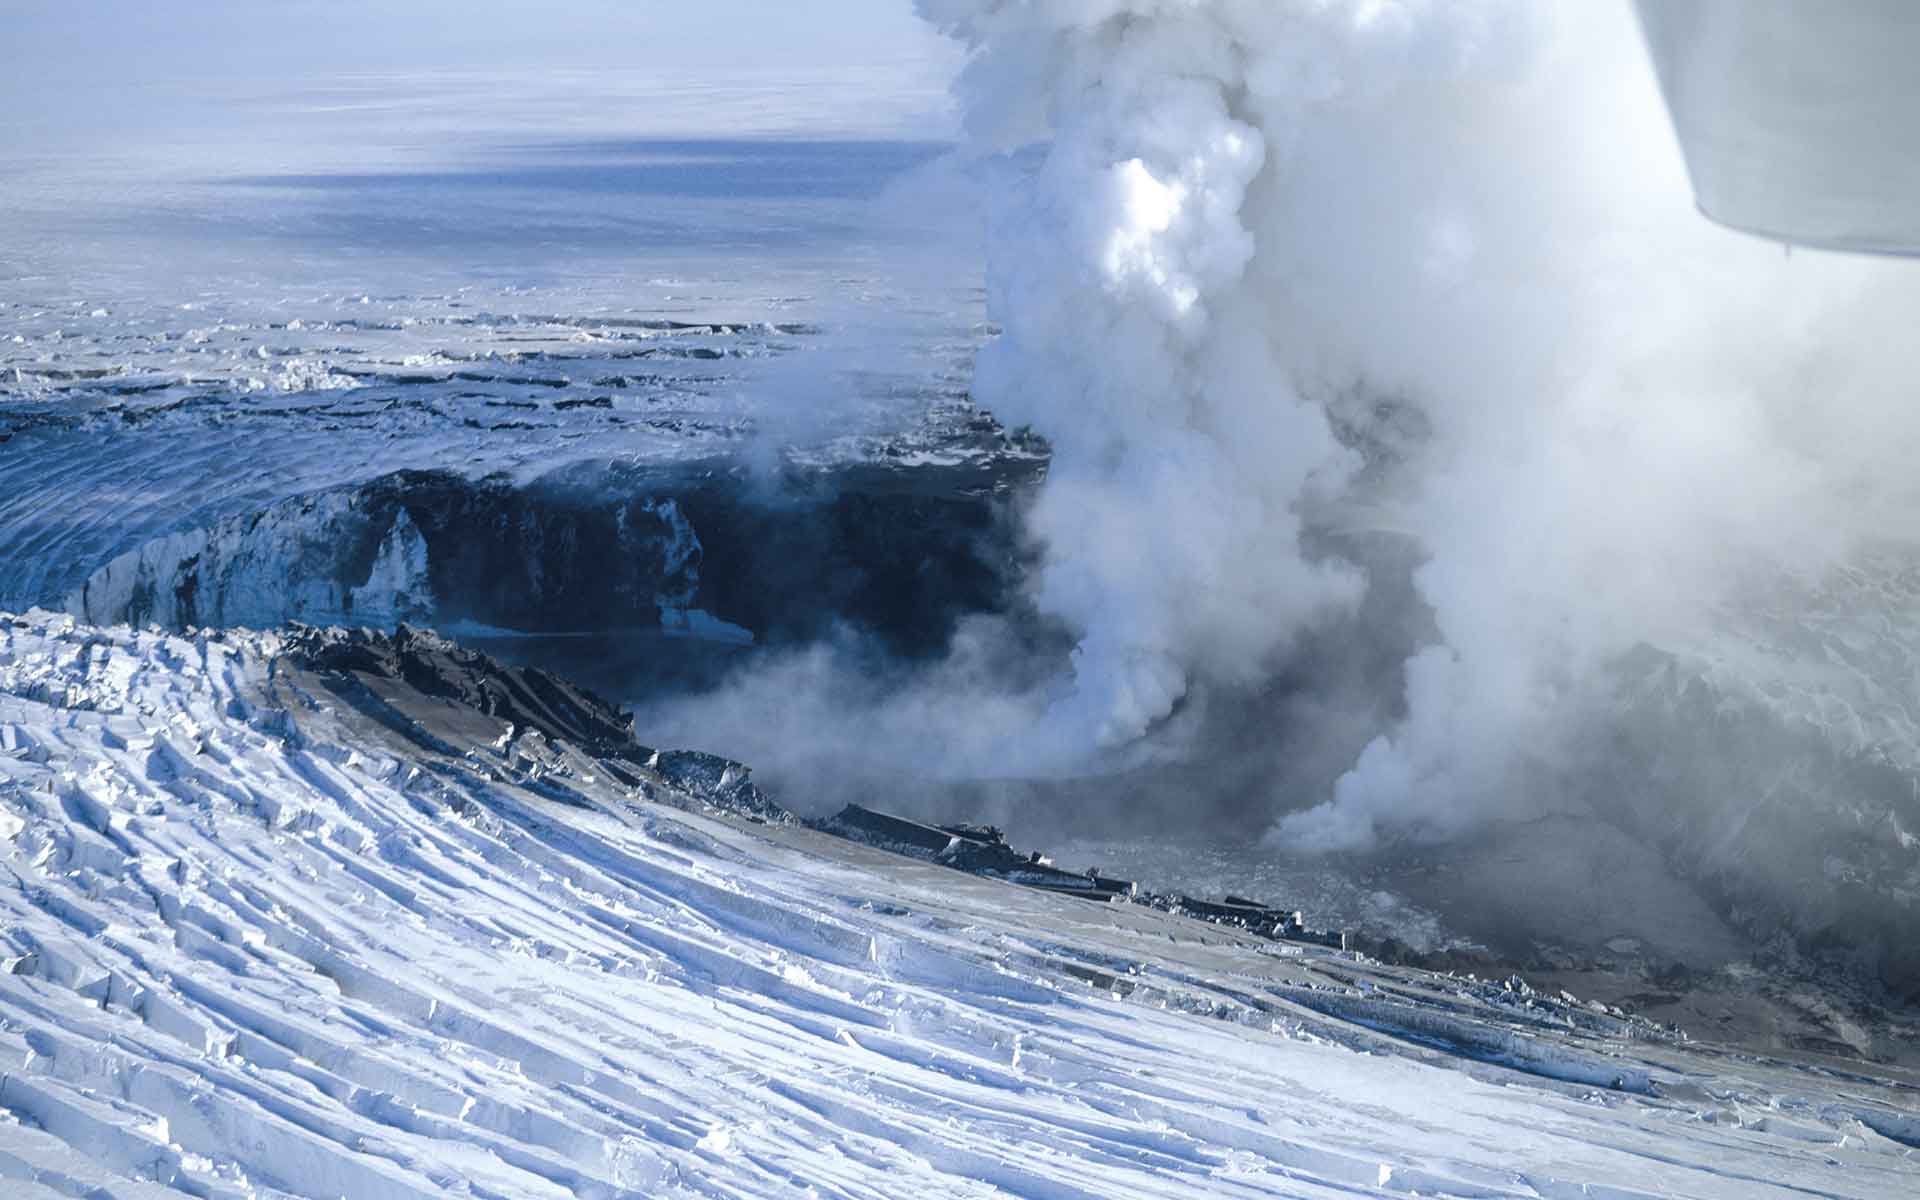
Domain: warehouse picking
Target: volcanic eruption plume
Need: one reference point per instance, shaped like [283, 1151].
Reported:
[1245, 239]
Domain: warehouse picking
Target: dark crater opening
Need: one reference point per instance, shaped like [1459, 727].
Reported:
[669, 571]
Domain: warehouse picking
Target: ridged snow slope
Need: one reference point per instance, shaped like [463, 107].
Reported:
[268, 934]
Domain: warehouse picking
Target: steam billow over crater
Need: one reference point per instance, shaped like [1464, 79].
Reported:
[1279, 278]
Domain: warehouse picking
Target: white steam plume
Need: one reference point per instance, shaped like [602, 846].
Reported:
[1140, 337]
[1245, 210]
[1138, 340]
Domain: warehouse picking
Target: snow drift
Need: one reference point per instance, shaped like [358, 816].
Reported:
[286, 921]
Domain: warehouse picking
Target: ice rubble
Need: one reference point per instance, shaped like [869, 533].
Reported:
[280, 923]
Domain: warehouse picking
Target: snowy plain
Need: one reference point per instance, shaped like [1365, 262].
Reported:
[257, 944]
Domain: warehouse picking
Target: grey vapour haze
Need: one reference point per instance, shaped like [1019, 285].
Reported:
[1246, 220]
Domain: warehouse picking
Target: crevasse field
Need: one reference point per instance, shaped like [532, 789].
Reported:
[263, 943]
[641, 347]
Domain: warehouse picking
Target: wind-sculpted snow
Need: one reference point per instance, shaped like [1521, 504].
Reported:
[261, 941]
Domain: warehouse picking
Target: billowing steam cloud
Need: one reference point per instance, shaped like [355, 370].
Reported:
[1243, 216]
[1137, 338]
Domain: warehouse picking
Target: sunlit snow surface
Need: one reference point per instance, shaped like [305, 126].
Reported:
[257, 945]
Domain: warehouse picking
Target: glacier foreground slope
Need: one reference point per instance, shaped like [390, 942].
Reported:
[288, 923]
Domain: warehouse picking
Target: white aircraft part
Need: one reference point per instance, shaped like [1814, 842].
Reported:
[1800, 120]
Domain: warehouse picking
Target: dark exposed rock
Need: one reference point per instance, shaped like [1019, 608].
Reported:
[975, 849]
[983, 850]
[529, 698]
[454, 701]
[721, 782]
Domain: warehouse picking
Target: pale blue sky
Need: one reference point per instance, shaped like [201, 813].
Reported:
[144, 38]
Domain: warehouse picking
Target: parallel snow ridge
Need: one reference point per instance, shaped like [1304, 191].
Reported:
[249, 951]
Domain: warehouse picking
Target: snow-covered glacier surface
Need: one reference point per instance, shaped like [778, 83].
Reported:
[272, 933]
